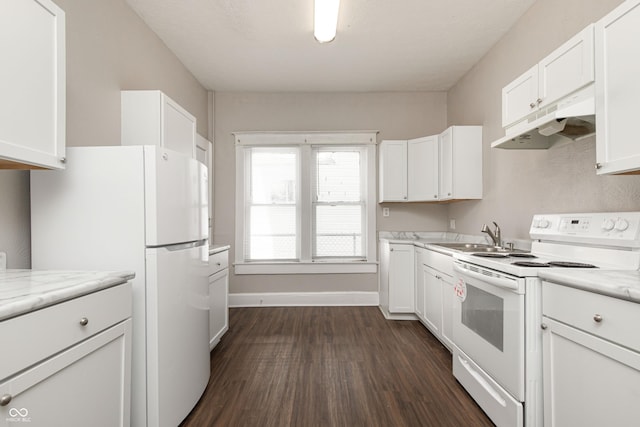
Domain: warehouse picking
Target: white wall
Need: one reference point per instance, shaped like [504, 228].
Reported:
[395, 115]
[519, 183]
[109, 49]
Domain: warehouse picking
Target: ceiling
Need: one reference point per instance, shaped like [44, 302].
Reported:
[381, 45]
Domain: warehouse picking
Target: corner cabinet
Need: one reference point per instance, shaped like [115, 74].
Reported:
[433, 168]
[32, 84]
[618, 90]
[218, 296]
[149, 117]
[74, 363]
[396, 280]
[460, 163]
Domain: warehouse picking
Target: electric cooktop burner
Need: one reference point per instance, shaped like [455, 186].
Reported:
[519, 255]
[490, 255]
[570, 264]
[530, 264]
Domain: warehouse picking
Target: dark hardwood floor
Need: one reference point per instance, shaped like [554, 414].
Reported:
[330, 366]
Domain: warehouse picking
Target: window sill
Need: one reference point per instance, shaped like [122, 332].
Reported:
[305, 267]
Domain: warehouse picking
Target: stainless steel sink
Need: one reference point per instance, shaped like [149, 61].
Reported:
[477, 247]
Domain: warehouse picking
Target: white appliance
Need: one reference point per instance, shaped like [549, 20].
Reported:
[497, 311]
[140, 208]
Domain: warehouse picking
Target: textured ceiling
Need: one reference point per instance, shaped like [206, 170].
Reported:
[381, 45]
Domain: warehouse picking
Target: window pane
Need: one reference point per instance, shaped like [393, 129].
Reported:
[272, 232]
[273, 175]
[338, 231]
[338, 176]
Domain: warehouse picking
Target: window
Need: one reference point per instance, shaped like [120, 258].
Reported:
[305, 203]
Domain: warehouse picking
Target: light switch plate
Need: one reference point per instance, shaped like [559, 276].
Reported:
[3, 260]
[452, 224]
[385, 211]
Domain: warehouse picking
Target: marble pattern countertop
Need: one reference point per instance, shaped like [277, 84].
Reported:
[23, 291]
[214, 249]
[430, 238]
[622, 284]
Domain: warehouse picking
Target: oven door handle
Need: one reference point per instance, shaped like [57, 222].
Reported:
[495, 281]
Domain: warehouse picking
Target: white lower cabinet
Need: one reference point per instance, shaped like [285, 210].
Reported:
[218, 297]
[591, 359]
[87, 383]
[396, 279]
[434, 295]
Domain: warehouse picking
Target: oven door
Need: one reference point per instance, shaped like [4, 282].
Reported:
[488, 323]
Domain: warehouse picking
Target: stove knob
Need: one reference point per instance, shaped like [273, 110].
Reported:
[608, 225]
[622, 224]
[543, 223]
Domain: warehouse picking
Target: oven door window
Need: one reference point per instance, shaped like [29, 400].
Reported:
[483, 313]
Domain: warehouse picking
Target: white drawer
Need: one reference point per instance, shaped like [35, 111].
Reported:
[218, 261]
[34, 336]
[619, 319]
[438, 261]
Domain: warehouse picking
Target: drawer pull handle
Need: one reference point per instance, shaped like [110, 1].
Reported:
[597, 318]
[5, 399]
[84, 321]
[218, 264]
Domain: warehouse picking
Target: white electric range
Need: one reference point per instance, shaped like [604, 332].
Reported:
[497, 312]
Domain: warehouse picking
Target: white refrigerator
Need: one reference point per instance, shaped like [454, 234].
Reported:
[140, 208]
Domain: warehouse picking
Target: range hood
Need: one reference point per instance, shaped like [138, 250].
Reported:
[572, 118]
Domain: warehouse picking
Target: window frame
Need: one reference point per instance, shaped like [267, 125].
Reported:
[365, 141]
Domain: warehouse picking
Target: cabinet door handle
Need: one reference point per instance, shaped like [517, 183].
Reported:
[597, 318]
[218, 264]
[539, 101]
[532, 105]
[598, 166]
[5, 399]
[84, 321]
[543, 326]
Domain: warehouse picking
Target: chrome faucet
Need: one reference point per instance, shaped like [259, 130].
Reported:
[496, 237]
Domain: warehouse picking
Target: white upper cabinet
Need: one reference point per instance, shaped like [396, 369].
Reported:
[422, 169]
[432, 168]
[393, 171]
[32, 85]
[149, 117]
[564, 71]
[461, 163]
[618, 90]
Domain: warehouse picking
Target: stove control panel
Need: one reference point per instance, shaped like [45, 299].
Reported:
[607, 229]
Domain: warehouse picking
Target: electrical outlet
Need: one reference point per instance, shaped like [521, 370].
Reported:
[452, 224]
[3, 260]
[385, 211]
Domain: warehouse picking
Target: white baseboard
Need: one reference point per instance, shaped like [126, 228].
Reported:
[278, 299]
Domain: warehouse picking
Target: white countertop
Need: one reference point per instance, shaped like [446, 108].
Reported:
[429, 239]
[23, 291]
[214, 249]
[623, 284]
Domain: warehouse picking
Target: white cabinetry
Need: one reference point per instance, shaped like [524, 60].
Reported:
[461, 163]
[218, 296]
[32, 85]
[74, 363]
[564, 71]
[393, 171]
[149, 117]
[422, 169]
[432, 168]
[591, 358]
[618, 90]
[396, 279]
[435, 285]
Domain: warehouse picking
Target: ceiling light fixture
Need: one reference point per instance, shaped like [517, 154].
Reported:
[325, 20]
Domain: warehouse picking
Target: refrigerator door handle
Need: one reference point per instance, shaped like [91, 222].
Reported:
[181, 246]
